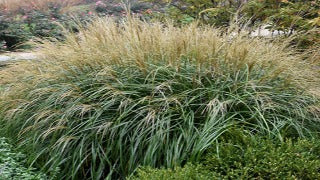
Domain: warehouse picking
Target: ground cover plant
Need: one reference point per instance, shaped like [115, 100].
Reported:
[12, 165]
[117, 96]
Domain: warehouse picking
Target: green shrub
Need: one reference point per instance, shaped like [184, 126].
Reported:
[188, 172]
[13, 33]
[117, 96]
[218, 13]
[263, 159]
[16, 30]
[47, 24]
[254, 159]
[301, 17]
[117, 9]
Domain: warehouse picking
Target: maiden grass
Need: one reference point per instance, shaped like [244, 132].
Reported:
[117, 96]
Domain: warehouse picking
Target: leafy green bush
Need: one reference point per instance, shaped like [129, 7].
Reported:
[114, 8]
[13, 33]
[44, 25]
[117, 96]
[299, 17]
[12, 165]
[16, 30]
[251, 159]
[292, 16]
[217, 13]
[188, 172]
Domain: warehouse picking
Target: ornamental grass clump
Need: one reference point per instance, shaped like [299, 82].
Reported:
[120, 95]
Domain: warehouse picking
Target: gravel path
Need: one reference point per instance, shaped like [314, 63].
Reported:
[17, 56]
[7, 58]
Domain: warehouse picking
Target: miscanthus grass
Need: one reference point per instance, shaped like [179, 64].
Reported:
[120, 95]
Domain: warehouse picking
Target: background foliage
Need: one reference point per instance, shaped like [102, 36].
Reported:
[287, 16]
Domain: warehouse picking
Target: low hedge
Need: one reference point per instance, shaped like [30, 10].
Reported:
[250, 159]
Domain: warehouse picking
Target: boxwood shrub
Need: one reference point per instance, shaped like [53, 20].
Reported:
[253, 158]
